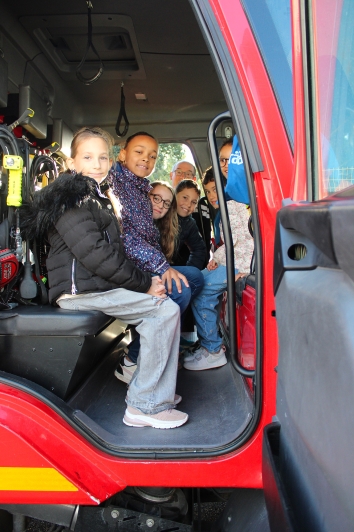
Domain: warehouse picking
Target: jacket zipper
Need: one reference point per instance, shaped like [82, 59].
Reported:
[73, 274]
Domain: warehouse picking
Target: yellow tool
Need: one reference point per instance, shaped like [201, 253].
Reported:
[14, 164]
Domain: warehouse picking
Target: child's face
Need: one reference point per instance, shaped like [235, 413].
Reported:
[187, 201]
[158, 196]
[224, 157]
[91, 159]
[211, 194]
[140, 155]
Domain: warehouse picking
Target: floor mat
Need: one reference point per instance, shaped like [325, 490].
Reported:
[216, 401]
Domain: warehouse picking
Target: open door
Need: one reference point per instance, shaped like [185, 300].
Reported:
[308, 465]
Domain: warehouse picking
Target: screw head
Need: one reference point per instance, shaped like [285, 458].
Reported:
[150, 523]
[114, 514]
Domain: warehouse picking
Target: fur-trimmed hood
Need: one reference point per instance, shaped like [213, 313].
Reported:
[66, 192]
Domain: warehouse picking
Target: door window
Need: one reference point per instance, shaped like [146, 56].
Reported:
[334, 52]
[271, 25]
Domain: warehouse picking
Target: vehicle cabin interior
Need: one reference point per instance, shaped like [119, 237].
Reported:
[156, 54]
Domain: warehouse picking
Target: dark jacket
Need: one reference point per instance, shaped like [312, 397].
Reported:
[190, 249]
[86, 252]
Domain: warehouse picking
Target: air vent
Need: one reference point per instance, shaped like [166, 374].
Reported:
[118, 42]
[63, 39]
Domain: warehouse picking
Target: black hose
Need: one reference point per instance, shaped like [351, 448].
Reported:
[10, 139]
[43, 163]
[40, 165]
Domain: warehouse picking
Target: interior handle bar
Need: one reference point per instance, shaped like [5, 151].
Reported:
[122, 115]
[80, 77]
[231, 289]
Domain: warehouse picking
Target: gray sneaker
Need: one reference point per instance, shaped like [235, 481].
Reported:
[167, 419]
[203, 359]
[190, 355]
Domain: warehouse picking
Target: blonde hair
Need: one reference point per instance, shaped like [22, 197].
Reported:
[168, 224]
[91, 132]
[96, 132]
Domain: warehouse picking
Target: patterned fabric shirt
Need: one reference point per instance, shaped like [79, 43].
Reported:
[243, 242]
[140, 236]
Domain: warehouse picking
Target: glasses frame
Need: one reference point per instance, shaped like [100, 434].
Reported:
[225, 159]
[179, 173]
[159, 200]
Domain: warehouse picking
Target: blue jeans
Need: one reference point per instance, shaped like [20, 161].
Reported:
[152, 388]
[205, 308]
[195, 280]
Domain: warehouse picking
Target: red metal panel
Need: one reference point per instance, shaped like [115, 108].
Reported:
[43, 438]
[246, 321]
[32, 435]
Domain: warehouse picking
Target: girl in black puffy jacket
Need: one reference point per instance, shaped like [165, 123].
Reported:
[88, 270]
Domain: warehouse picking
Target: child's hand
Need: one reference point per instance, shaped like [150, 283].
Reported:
[239, 275]
[172, 274]
[157, 288]
[212, 265]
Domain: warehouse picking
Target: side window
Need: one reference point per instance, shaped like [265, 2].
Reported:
[335, 78]
[271, 24]
[169, 154]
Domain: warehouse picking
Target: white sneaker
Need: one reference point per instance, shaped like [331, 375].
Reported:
[190, 355]
[125, 372]
[203, 359]
[178, 399]
[167, 419]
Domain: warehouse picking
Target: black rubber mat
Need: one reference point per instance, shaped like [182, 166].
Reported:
[218, 405]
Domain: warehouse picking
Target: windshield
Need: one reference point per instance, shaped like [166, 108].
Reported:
[334, 20]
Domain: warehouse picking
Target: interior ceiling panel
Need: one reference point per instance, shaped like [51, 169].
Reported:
[155, 47]
[63, 39]
[167, 25]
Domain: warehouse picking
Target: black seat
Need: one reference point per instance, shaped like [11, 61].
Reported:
[53, 347]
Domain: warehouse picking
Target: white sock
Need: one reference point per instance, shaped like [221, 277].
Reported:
[128, 363]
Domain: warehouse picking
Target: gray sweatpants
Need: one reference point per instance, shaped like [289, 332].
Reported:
[153, 386]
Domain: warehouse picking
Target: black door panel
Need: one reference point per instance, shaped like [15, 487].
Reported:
[323, 229]
[315, 391]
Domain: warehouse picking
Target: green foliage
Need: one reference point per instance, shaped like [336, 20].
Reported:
[115, 151]
[169, 154]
